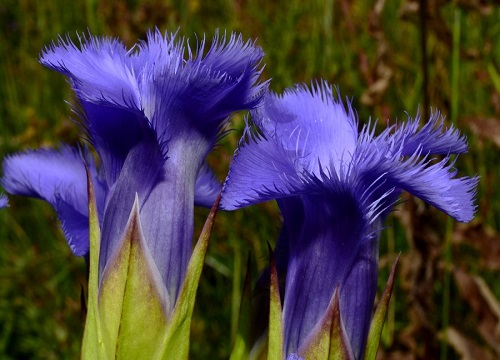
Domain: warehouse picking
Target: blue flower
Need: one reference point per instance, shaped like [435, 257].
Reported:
[58, 176]
[335, 186]
[4, 202]
[152, 115]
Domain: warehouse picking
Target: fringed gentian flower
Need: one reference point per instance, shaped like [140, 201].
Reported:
[335, 187]
[152, 115]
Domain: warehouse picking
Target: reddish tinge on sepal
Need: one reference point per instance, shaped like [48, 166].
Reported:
[275, 346]
[328, 339]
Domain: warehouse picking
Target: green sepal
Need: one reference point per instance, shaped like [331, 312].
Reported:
[328, 339]
[133, 300]
[275, 343]
[176, 341]
[378, 319]
[93, 342]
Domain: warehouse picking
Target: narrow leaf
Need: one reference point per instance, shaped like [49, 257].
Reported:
[176, 342]
[494, 76]
[93, 343]
[328, 339]
[379, 317]
[133, 300]
[242, 342]
[275, 346]
[240, 348]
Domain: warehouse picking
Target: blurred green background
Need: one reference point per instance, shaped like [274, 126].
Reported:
[391, 58]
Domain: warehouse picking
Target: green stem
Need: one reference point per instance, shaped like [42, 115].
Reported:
[236, 288]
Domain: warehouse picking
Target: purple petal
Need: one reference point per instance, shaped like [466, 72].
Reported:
[171, 238]
[100, 69]
[358, 291]
[57, 176]
[438, 185]
[334, 245]
[45, 172]
[261, 170]
[75, 225]
[311, 125]
[431, 138]
[103, 77]
[141, 171]
[301, 131]
[433, 181]
[292, 209]
[321, 255]
[200, 93]
[296, 153]
[232, 56]
[207, 187]
[113, 132]
[159, 50]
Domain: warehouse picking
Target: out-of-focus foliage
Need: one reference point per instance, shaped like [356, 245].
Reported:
[373, 51]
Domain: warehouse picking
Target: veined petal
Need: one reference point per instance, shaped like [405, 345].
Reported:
[431, 138]
[358, 291]
[373, 166]
[433, 181]
[321, 255]
[168, 222]
[292, 209]
[141, 171]
[303, 133]
[331, 244]
[262, 170]
[312, 125]
[166, 199]
[57, 176]
[43, 173]
[159, 50]
[75, 226]
[199, 94]
[113, 131]
[229, 56]
[100, 69]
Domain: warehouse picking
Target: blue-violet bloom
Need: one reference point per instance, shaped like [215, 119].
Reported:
[152, 113]
[335, 186]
